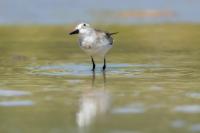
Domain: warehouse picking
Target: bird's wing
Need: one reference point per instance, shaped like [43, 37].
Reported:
[105, 35]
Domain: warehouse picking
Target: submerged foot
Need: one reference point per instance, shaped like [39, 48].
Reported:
[104, 68]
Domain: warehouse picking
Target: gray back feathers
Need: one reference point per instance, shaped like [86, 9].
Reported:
[105, 35]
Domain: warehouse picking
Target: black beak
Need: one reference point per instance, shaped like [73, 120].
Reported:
[74, 32]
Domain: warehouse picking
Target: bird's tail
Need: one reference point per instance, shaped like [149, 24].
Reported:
[113, 33]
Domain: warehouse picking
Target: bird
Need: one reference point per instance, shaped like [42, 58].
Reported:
[94, 42]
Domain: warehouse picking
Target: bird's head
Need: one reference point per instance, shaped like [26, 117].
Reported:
[81, 28]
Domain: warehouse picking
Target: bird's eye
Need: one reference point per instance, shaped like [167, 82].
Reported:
[84, 24]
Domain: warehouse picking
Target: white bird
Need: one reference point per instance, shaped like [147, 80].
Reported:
[94, 42]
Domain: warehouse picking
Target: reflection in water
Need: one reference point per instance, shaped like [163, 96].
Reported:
[93, 103]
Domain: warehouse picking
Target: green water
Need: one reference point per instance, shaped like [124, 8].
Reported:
[151, 85]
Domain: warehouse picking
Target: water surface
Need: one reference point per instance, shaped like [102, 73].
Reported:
[152, 83]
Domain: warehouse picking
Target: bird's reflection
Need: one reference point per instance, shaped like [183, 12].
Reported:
[93, 103]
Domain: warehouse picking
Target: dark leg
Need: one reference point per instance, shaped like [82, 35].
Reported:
[93, 67]
[104, 65]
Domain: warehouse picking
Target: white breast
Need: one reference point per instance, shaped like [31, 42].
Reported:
[93, 46]
[87, 42]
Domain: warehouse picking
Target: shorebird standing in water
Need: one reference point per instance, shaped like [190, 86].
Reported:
[94, 42]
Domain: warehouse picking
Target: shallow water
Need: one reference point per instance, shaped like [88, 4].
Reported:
[48, 87]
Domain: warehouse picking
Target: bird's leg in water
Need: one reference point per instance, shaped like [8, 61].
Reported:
[93, 67]
[104, 64]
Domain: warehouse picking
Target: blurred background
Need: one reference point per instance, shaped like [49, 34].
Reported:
[152, 80]
[100, 11]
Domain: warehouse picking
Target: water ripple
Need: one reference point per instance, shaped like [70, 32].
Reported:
[84, 70]
[133, 109]
[9, 93]
[195, 128]
[16, 103]
[187, 108]
[193, 95]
